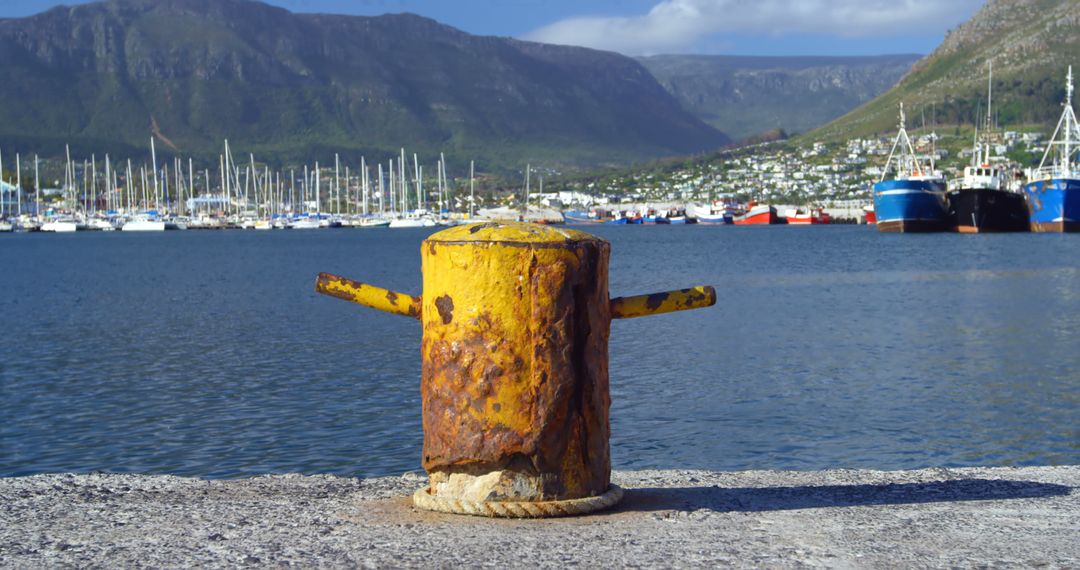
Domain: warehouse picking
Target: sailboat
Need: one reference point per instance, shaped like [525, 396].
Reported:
[143, 223]
[915, 199]
[1053, 190]
[59, 225]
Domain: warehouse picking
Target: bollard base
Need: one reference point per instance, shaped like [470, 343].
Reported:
[518, 509]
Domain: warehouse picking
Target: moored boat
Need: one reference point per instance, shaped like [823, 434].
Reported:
[1053, 192]
[807, 216]
[59, 226]
[372, 222]
[305, 223]
[716, 213]
[143, 224]
[985, 199]
[982, 202]
[915, 199]
[411, 223]
[758, 214]
[870, 214]
[580, 217]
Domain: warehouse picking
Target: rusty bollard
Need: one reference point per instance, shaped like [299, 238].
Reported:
[515, 366]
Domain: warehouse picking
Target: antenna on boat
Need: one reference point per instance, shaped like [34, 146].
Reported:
[1069, 117]
[1069, 88]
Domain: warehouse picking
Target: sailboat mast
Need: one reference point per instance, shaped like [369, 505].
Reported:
[191, 180]
[382, 205]
[153, 158]
[393, 188]
[419, 182]
[109, 187]
[472, 188]
[130, 187]
[18, 185]
[93, 183]
[404, 185]
[525, 203]
[364, 183]
[318, 190]
[37, 186]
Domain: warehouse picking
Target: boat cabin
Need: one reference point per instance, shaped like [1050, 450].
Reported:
[983, 176]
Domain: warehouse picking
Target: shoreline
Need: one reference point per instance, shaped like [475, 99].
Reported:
[998, 516]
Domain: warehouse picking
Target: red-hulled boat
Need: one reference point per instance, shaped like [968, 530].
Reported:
[870, 214]
[758, 215]
[808, 217]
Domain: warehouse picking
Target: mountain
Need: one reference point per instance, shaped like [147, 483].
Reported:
[1031, 43]
[747, 96]
[107, 75]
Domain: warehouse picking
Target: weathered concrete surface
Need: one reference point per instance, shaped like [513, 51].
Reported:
[1027, 517]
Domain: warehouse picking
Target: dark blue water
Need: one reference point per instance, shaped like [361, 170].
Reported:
[209, 354]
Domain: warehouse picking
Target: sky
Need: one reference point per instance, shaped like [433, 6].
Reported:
[646, 27]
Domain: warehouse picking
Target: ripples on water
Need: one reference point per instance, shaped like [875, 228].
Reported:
[208, 353]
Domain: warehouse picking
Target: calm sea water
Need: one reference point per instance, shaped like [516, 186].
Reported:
[209, 354]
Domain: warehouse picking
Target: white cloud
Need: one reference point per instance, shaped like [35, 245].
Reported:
[675, 25]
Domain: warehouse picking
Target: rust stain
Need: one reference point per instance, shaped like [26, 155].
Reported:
[445, 305]
[656, 299]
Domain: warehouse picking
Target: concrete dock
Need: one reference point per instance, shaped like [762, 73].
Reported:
[997, 517]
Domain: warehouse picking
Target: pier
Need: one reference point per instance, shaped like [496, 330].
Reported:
[1014, 517]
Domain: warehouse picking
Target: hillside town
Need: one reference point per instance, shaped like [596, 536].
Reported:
[835, 176]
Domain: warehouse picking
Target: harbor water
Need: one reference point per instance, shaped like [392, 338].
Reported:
[209, 354]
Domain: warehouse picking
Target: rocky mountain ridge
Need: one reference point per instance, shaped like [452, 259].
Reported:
[108, 75]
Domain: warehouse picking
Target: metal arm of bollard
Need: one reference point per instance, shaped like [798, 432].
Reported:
[368, 295]
[409, 306]
[660, 303]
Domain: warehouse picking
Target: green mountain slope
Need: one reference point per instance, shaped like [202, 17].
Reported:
[746, 96]
[1031, 43]
[106, 76]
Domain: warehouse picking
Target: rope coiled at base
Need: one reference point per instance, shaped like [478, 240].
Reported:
[518, 509]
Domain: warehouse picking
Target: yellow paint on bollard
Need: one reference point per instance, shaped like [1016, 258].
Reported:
[660, 303]
[514, 386]
[368, 295]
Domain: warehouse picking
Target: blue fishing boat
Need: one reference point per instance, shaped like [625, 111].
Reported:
[1053, 191]
[914, 200]
[580, 217]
